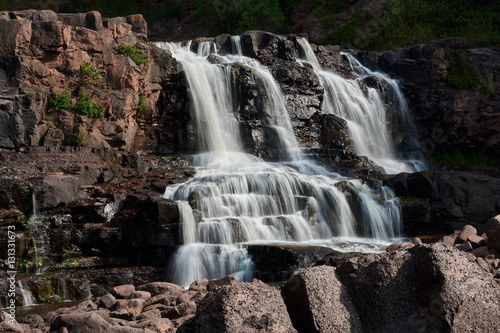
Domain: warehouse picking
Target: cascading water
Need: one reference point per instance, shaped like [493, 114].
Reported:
[236, 198]
[35, 254]
[364, 113]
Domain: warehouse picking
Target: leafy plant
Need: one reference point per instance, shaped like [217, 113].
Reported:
[133, 52]
[60, 101]
[143, 105]
[92, 74]
[81, 138]
[84, 105]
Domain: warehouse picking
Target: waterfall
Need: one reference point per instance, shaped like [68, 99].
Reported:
[37, 231]
[235, 198]
[364, 113]
[26, 296]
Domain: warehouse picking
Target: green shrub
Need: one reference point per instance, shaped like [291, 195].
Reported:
[92, 74]
[143, 105]
[84, 105]
[81, 138]
[133, 52]
[60, 101]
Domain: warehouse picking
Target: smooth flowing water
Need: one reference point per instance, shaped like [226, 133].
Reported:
[365, 113]
[236, 198]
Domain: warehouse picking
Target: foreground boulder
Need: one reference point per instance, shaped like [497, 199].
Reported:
[241, 307]
[318, 302]
[428, 288]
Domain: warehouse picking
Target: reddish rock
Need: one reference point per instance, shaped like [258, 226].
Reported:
[476, 241]
[7, 326]
[108, 301]
[240, 308]
[493, 232]
[157, 288]
[466, 247]
[128, 309]
[480, 251]
[185, 297]
[225, 281]
[483, 264]
[400, 246]
[140, 294]
[123, 291]
[155, 325]
[149, 314]
[199, 285]
[318, 302]
[448, 240]
[465, 233]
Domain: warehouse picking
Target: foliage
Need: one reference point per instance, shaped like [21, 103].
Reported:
[462, 75]
[133, 52]
[84, 105]
[60, 101]
[407, 22]
[5, 5]
[477, 160]
[238, 16]
[92, 74]
[143, 105]
[81, 138]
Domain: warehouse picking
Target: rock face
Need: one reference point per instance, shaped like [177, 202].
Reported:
[440, 201]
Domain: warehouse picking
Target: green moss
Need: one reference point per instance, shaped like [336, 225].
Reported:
[133, 52]
[81, 138]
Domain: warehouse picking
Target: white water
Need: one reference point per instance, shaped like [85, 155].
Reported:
[27, 299]
[237, 198]
[37, 231]
[364, 113]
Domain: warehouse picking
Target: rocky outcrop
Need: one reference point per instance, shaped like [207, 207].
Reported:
[441, 201]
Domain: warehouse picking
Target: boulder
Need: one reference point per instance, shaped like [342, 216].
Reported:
[317, 302]
[241, 307]
[466, 232]
[426, 288]
[123, 291]
[157, 288]
[493, 232]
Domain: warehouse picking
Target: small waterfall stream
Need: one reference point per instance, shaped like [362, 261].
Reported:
[236, 198]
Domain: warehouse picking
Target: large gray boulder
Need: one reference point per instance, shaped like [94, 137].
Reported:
[318, 302]
[241, 307]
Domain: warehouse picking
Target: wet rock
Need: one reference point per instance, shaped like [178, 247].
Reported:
[240, 308]
[480, 251]
[317, 302]
[466, 247]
